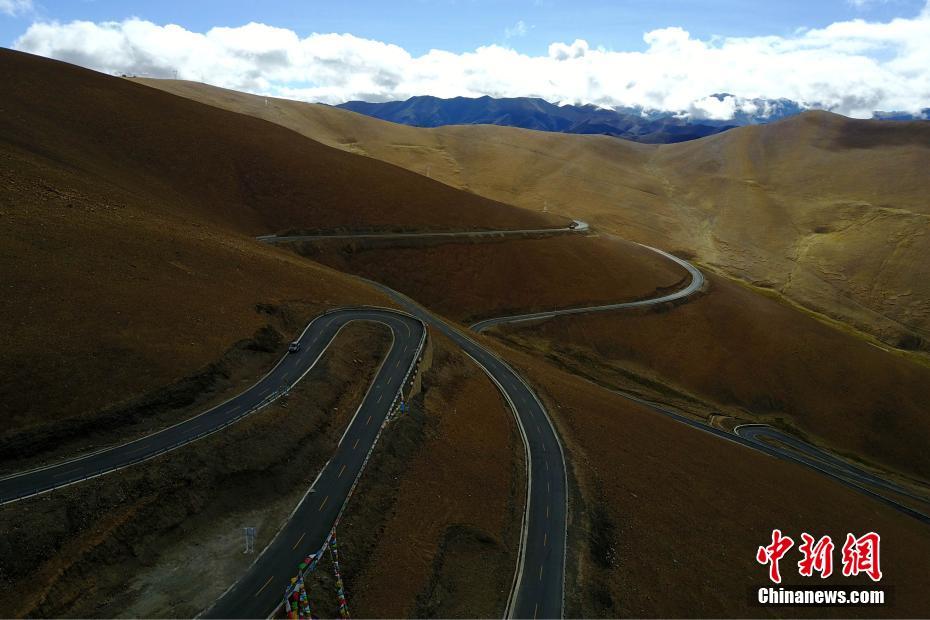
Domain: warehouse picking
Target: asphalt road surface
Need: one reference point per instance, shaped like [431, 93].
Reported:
[578, 227]
[768, 440]
[260, 590]
[314, 340]
[697, 281]
[538, 584]
[538, 587]
[788, 447]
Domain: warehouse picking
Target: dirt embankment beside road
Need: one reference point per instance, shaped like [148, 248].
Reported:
[434, 528]
[440, 503]
[53, 438]
[164, 538]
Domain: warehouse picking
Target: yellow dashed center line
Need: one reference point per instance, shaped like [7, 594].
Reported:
[264, 586]
[323, 503]
[540, 572]
[340, 471]
[298, 540]
[355, 445]
[368, 421]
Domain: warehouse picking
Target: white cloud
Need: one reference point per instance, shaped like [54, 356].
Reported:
[719, 109]
[517, 30]
[15, 7]
[561, 51]
[853, 67]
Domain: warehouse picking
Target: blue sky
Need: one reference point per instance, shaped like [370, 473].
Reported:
[464, 25]
[850, 56]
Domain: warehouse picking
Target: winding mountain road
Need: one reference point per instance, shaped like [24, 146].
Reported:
[577, 226]
[766, 439]
[772, 441]
[538, 585]
[259, 591]
[697, 281]
[286, 373]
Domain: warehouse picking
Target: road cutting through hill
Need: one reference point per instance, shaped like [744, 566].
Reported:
[577, 226]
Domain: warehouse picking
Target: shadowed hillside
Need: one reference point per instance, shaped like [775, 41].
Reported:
[134, 296]
[130, 291]
[236, 171]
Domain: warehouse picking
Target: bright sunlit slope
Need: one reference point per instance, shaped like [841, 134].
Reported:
[588, 176]
[829, 211]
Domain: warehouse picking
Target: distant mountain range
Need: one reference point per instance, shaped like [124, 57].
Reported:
[638, 124]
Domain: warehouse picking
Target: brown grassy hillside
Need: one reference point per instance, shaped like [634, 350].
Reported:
[471, 281]
[229, 169]
[127, 265]
[442, 504]
[829, 211]
[600, 178]
[129, 286]
[762, 360]
[107, 300]
[658, 504]
[163, 540]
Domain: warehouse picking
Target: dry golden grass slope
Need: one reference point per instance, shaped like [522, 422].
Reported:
[829, 211]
